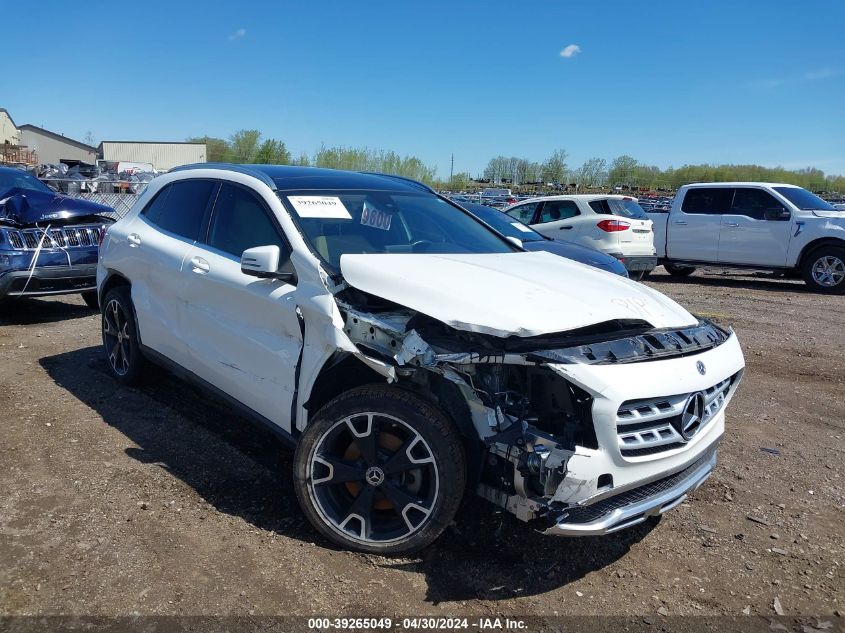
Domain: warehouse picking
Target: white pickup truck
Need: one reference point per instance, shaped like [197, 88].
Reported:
[753, 225]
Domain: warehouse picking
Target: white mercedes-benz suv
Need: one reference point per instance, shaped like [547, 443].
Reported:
[409, 353]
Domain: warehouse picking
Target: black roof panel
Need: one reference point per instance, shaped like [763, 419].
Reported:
[292, 177]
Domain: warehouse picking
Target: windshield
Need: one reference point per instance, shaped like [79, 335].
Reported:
[627, 209]
[15, 178]
[803, 199]
[338, 223]
[504, 224]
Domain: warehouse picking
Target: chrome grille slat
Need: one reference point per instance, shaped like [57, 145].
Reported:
[61, 237]
[644, 426]
[655, 409]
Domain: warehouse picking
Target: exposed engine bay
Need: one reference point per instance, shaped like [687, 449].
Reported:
[529, 418]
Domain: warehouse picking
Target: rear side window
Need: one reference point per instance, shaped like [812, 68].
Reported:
[708, 200]
[180, 208]
[626, 209]
[524, 212]
[555, 210]
[240, 222]
[753, 203]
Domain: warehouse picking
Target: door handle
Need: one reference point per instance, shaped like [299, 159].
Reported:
[565, 228]
[731, 223]
[680, 221]
[134, 239]
[200, 266]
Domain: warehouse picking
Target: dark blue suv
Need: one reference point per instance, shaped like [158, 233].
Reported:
[48, 242]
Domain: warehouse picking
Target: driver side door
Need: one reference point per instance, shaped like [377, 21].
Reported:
[756, 230]
[243, 333]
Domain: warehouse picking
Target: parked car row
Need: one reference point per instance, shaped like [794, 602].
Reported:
[108, 177]
[410, 347]
[613, 224]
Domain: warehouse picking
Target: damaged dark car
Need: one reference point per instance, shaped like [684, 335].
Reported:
[48, 242]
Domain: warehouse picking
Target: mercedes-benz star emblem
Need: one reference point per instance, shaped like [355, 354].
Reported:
[701, 368]
[692, 416]
[374, 476]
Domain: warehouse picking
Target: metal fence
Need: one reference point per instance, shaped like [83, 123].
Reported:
[120, 195]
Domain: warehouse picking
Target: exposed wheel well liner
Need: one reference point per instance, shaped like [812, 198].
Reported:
[344, 372]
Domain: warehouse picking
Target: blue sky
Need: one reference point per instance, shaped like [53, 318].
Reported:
[667, 82]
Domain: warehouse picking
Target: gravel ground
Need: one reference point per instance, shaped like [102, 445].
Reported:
[157, 500]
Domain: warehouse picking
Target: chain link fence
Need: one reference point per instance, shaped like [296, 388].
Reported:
[117, 194]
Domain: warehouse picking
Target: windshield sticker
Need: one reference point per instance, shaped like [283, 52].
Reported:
[324, 207]
[522, 227]
[375, 218]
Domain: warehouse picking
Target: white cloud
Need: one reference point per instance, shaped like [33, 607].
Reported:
[821, 73]
[767, 83]
[570, 51]
[812, 75]
[237, 35]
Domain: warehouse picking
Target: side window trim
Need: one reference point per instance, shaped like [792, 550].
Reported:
[212, 211]
[720, 213]
[538, 212]
[166, 191]
[161, 193]
[765, 191]
[209, 210]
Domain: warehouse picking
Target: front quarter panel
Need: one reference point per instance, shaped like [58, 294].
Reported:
[808, 227]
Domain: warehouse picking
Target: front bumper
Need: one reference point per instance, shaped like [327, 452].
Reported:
[633, 506]
[45, 281]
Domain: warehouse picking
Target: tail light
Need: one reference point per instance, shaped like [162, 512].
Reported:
[611, 226]
[102, 235]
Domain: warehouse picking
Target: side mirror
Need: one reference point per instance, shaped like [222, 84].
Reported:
[514, 240]
[777, 214]
[263, 262]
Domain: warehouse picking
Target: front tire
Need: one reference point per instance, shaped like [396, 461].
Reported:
[120, 336]
[824, 270]
[380, 470]
[679, 271]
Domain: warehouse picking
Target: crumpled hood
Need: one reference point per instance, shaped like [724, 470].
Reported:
[22, 207]
[510, 294]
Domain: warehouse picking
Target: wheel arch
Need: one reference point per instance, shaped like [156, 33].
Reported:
[113, 280]
[816, 244]
[344, 372]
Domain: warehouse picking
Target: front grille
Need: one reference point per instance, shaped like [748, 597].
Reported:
[80, 236]
[655, 425]
[599, 509]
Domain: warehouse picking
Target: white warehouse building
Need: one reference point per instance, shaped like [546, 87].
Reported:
[162, 156]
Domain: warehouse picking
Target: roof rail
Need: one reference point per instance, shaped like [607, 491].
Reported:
[410, 181]
[241, 169]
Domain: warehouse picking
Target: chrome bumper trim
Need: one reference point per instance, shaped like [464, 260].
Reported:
[636, 512]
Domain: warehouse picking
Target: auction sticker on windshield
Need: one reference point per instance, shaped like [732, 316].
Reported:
[371, 216]
[324, 207]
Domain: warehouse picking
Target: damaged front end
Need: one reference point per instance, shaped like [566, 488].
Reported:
[535, 426]
[48, 243]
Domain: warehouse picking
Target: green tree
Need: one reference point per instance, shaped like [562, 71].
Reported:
[244, 146]
[272, 152]
[555, 168]
[216, 149]
[593, 173]
[623, 170]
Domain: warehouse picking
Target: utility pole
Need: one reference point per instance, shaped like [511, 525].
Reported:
[452, 168]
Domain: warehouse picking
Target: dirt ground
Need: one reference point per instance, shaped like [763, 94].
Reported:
[158, 500]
